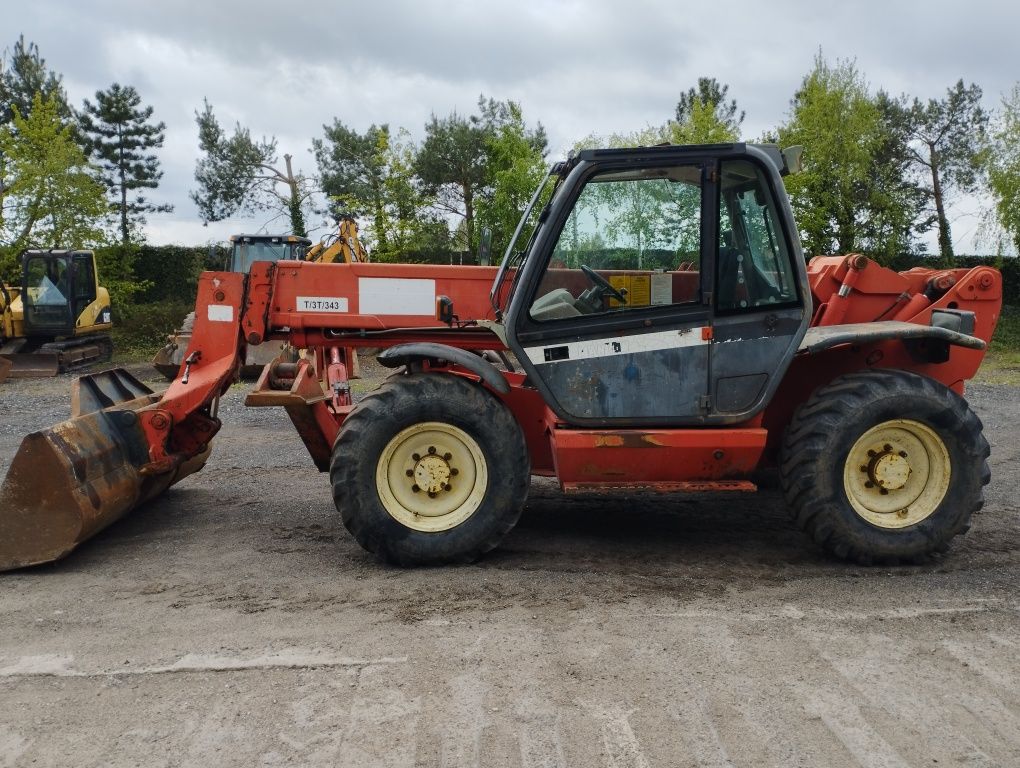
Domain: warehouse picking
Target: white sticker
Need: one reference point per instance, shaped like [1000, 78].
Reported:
[396, 296]
[624, 345]
[321, 304]
[221, 313]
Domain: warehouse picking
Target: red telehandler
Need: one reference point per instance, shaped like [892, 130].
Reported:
[656, 328]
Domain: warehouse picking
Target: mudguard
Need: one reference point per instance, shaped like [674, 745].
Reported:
[402, 354]
[823, 337]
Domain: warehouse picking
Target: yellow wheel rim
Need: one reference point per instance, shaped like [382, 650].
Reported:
[431, 477]
[897, 473]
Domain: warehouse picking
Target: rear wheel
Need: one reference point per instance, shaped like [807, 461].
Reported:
[884, 466]
[430, 469]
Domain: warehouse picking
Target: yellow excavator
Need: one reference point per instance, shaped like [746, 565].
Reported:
[58, 319]
[343, 247]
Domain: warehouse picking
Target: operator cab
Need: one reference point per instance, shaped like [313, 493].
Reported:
[660, 286]
[245, 250]
[57, 287]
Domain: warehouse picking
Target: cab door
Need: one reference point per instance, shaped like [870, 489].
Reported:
[46, 291]
[84, 290]
[760, 314]
[611, 319]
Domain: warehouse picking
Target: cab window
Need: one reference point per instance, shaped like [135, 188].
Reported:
[632, 241]
[84, 280]
[754, 263]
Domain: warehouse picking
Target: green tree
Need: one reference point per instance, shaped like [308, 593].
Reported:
[118, 132]
[353, 171]
[515, 165]
[844, 200]
[25, 75]
[240, 174]
[704, 116]
[451, 165]
[412, 221]
[52, 199]
[371, 175]
[946, 139]
[453, 162]
[896, 203]
[1004, 165]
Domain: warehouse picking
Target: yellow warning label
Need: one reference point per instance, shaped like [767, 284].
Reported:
[638, 289]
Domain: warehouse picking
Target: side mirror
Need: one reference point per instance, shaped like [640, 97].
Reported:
[444, 310]
[793, 158]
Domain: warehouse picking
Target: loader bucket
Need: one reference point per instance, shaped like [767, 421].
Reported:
[169, 358]
[70, 481]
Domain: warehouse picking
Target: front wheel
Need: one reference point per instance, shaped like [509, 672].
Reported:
[884, 466]
[430, 469]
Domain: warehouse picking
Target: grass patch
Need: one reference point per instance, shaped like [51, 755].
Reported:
[1002, 361]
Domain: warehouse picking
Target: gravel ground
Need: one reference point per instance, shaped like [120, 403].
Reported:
[235, 623]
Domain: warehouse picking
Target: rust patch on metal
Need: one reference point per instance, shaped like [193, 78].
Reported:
[693, 486]
[628, 440]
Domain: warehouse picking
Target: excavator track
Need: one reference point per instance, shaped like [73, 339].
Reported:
[58, 357]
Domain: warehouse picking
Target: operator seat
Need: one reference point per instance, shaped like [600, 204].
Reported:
[556, 304]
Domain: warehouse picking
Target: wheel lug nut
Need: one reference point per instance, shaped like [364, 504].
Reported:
[410, 473]
[415, 488]
[432, 494]
[447, 487]
[887, 447]
[447, 456]
[432, 449]
[871, 453]
[883, 491]
[454, 471]
[864, 468]
[869, 484]
[903, 454]
[416, 456]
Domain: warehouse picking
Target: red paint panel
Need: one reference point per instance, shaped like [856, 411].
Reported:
[468, 287]
[640, 457]
[695, 486]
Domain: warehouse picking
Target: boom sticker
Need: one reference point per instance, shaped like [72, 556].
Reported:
[321, 304]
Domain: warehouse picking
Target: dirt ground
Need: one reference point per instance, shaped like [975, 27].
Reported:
[234, 622]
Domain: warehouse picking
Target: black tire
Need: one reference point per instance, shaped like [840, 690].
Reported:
[399, 404]
[823, 434]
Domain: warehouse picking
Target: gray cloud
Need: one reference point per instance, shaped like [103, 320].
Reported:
[578, 67]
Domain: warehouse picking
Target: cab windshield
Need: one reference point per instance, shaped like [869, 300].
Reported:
[527, 230]
[244, 254]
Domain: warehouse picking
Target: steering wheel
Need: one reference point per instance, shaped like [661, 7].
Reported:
[602, 284]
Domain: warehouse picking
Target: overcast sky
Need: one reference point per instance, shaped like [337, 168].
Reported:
[285, 69]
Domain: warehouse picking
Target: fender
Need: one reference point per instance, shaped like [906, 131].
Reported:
[823, 337]
[403, 354]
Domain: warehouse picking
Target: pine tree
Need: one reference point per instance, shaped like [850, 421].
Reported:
[25, 75]
[239, 173]
[119, 134]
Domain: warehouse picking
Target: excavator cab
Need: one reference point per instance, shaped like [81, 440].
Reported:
[57, 289]
[245, 250]
[57, 319]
